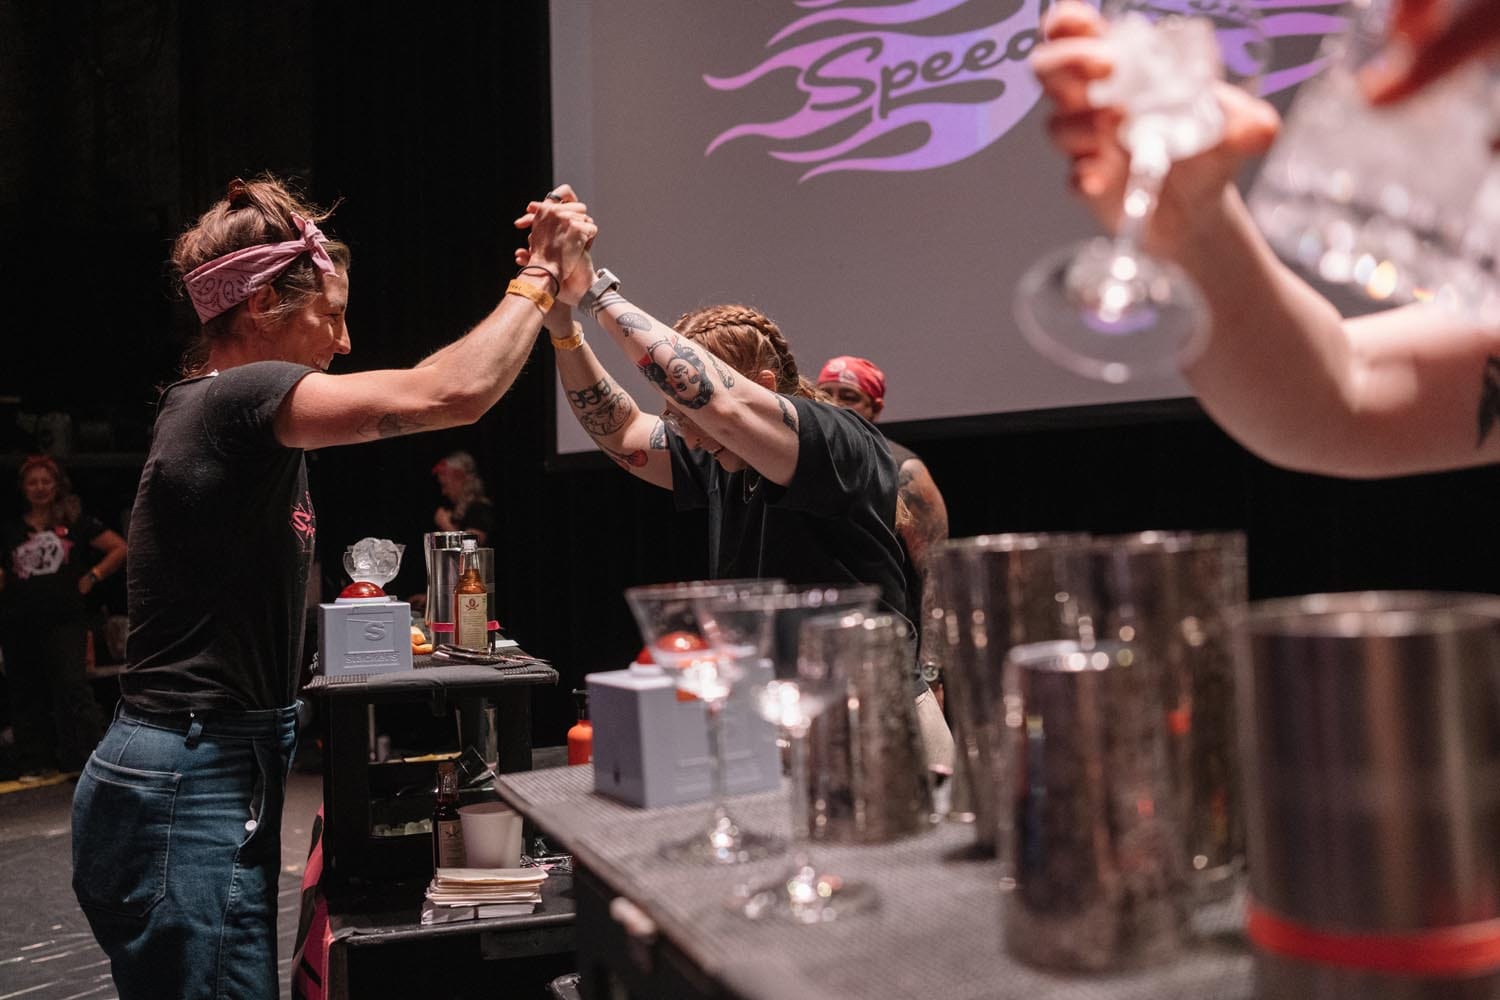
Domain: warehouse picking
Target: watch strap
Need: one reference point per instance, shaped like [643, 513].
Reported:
[604, 281]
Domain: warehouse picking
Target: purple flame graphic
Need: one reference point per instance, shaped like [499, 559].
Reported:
[963, 91]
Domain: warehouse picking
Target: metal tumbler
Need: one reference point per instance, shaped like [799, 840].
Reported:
[1173, 595]
[1371, 734]
[991, 592]
[867, 767]
[1098, 862]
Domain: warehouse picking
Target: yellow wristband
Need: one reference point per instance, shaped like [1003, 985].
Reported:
[571, 343]
[538, 296]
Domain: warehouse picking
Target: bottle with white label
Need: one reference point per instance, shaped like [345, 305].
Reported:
[471, 605]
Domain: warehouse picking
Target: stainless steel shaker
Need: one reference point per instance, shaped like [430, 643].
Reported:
[992, 592]
[1371, 744]
[868, 780]
[1095, 848]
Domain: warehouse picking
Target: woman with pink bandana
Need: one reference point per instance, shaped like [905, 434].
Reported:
[177, 816]
[1389, 394]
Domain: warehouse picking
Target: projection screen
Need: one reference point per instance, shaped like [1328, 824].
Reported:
[874, 176]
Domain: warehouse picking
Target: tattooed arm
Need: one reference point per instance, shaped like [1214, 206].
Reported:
[1394, 393]
[720, 407]
[635, 441]
[452, 387]
[926, 524]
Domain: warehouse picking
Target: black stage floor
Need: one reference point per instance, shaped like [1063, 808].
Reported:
[46, 950]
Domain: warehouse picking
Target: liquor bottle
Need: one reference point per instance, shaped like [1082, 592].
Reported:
[581, 736]
[447, 832]
[471, 606]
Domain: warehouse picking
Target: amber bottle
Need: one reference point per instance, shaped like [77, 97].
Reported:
[471, 606]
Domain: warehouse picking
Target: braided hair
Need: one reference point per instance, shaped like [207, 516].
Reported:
[250, 213]
[751, 342]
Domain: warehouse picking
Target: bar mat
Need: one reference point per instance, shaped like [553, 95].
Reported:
[937, 932]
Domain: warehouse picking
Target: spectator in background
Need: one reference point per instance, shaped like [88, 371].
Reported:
[53, 556]
[470, 510]
[857, 384]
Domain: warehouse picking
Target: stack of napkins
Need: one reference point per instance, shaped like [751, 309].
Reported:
[483, 886]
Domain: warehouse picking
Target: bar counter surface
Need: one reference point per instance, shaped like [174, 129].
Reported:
[936, 934]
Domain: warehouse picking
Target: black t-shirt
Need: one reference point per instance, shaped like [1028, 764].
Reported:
[221, 541]
[835, 522]
[42, 569]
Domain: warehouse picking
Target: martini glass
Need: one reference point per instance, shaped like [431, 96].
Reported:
[1104, 308]
[791, 686]
[668, 618]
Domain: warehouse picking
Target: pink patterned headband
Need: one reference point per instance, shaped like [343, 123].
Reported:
[226, 281]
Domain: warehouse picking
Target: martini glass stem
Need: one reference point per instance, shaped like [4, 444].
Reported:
[721, 826]
[804, 877]
[1149, 164]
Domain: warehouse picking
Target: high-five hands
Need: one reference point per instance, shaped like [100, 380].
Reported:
[561, 232]
[579, 275]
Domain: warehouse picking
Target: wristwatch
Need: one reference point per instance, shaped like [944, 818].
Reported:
[604, 281]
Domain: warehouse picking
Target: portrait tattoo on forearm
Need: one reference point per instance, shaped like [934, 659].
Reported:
[788, 415]
[389, 425]
[675, 368]
[603, 407]
[1489, 398]
[723, 373]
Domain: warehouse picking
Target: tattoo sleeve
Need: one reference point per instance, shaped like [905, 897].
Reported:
[603, 302]
[658, 439]
[389, 425]
[1489, 398]
[675, 369]
[724, 375]
[928, 522]
[634, 459]
[602, 408]
[634, 322]
[788, 415]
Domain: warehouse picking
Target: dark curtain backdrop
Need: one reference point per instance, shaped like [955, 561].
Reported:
[429, 124]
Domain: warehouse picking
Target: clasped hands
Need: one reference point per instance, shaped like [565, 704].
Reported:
[561, 234]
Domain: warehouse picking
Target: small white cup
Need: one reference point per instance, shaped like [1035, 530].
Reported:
[492, 835]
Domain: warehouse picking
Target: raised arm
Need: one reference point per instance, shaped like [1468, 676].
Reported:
[457, 384]
[737, 412]
[635, 441]
[1406, 391]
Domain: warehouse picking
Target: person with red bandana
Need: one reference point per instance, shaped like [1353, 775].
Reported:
[857, 384]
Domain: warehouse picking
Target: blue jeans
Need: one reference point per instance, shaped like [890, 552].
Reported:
[177, 850]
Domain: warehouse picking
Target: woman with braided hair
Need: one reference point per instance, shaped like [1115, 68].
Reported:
[795, 487]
